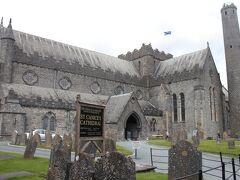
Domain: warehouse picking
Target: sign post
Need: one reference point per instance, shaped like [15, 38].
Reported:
[89, 125]
[136, 145]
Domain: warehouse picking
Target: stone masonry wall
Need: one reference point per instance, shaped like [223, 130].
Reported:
[50, 78]
[212, 99]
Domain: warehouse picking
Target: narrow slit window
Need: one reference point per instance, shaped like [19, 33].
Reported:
[175, 108]
[182, 106]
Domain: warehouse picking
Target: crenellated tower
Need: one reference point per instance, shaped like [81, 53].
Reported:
[146, 59]
[7, 52]
[231, 37]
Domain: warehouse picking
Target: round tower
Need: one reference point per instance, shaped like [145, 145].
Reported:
[231, 37]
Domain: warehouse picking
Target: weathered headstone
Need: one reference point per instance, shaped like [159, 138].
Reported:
[59, 159]
[110, 145]
[178, 134]
[14, 137]
[183, 160]
[196, 138]
[31, 147]
[115, 166]
[23, 139]
[57, 144]
[225, 135]
[82, 168]
[231, 143]
[67, 145]
[48, 138]
[37, 138]
[54, 174]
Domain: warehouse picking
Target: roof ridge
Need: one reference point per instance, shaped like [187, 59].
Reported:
[181, 63]
[74, 46]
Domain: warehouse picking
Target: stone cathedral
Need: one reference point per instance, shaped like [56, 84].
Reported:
[145, 92]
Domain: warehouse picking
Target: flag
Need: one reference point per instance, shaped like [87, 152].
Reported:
[167, 33]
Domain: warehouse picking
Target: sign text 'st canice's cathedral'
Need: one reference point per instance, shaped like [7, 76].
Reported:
[144, 92]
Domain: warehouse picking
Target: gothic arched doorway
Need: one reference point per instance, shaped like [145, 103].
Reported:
[132, 128]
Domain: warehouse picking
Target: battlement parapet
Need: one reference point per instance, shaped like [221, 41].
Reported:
[145, 50]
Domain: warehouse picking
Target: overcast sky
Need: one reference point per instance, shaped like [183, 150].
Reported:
[116, 26]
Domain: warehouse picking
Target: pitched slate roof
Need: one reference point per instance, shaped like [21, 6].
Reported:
[149, 109]
[115, 107]
[34, 92]
[187, 62]
[47, 48]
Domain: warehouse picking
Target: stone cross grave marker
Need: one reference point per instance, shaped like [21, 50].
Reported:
[115, 166]
[183, 160]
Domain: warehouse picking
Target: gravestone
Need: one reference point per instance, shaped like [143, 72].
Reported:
[54, 174]
[225, 135]
[178, 134]
[110, 145]
[82, 168]
[37, 138]
[115, 166]
[23, 139]
[231, 143]
[57, 144]
[14, 137]
[183, 160]
[59, 159]
[196, 138]
[48, 138]
[67, 145]
[31, 147]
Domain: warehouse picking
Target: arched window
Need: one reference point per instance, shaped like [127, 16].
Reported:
[49, 120]
[214, 105]
[210, 101]
[182, 106]
[175, 107]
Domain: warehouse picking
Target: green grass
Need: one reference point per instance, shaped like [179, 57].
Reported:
[212, 147]
[151, 176]
[159, 142]
[38, 166]
[209, 146]
[121, 149]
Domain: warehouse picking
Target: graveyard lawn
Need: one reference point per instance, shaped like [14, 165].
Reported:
[121, 149]
[38, 167]
[151, 176]
[209, 146]
[212, 147]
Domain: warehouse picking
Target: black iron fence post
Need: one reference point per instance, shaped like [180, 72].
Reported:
[233, 167]
[221, 157]
[223, 171]
[200, 176]
[239, 158]
[151, 156]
